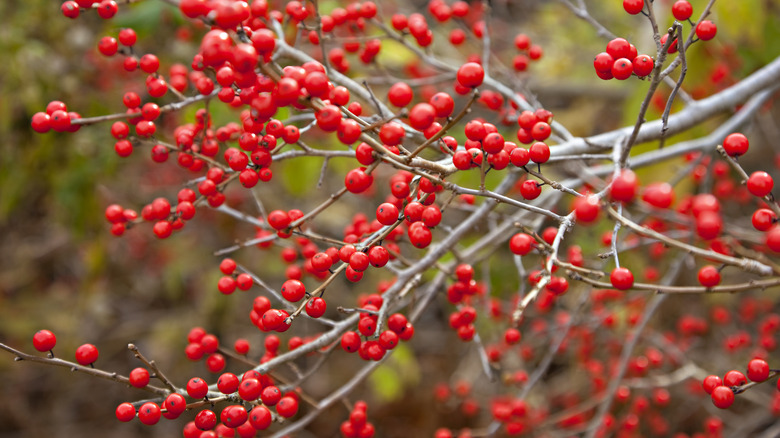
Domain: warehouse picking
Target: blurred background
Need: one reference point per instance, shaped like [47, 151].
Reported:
[62, 270]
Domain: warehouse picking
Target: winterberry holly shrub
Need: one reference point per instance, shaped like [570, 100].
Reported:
[415, 223]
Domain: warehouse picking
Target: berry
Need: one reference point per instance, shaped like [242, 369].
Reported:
[619, 48]
[711, 382]
[287, 406]
[643, 65]
[587, 209]
[624, 186]
[760, 184]
[758, 370]
[206, 419]
[622, 69]
[139, 377]
[86, 354]
[125, 412]
[530, 189]
[682, 10]
[44, 340]
[470, 75]
[709, 276]
[722, 397]
[763, 219]
[539, 152]
[400, 94]
[521, 244]
[706, 30]
[621, 278]
[633, 7]
[734, 378]
[260, 418]
[176, 404]
[149, 413]
[197, 388]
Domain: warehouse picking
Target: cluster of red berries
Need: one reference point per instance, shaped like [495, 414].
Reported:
[357, 425]
[723, 390]
[232, 280]
[621, 60]
[365, 342]
[105, 8]
[202, 344]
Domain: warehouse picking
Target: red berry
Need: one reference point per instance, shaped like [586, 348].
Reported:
[470, 75]
[587, 208]
[139, 377]
[316, 307]
[539, 152]
[622, 69]
[706, 30]
[125, 412]
[619, 48]
[176, 404]
[722, 397]
[633, 7]
[709, 276]
[287, 407]
[86, 354]
[197, 388]
[763, 219]
[293, 290]
[260, 418]
[711, 382]
[521, 244]
[400, 94]
[108, 46]
[621, 278]
[682, 10]
[603, 62]
[149, 413]
[760, 184]
[206, 419]
[624, 186]
[44, 340]
[643, 65]
[734, 378]
[530, 189]
[758, 370]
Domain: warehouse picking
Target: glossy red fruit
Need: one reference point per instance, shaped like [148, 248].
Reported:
[539, 152]
[722, 397]
[711, 382]
[149, 413]
[624, 186]
[706, 30]
[682, 10]
[643, 65]
[86, 354]
[772, 238]
[125, 412]
[760, 184]
[530, 189]
[736, 144]
[587, 208]
[734, 378]
[758, 370]
[709, 276]
[763, 219]
[44, 340]
[521, 244]
[660, 195]
[470, 75]
[287, 406]
[621, 278]
[400, 94]
[622, 69]
[619, 48]
[633, 7]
